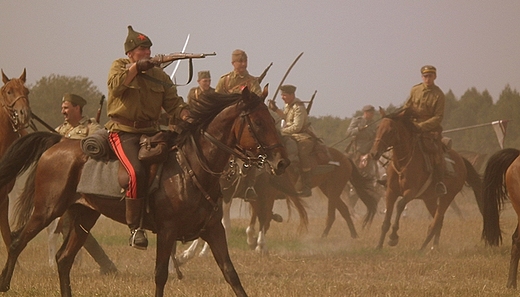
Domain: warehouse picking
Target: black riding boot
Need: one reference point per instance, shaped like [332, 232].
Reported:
[306, 184]
[134, 209]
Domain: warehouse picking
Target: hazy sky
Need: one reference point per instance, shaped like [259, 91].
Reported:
[355, 52]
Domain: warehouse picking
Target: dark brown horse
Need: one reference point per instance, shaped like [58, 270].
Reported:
[187, 204]
[502, 180]
[15, 115]
[331, 179]
[409, 178]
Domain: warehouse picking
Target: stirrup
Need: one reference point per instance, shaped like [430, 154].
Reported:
[138, 239]
[440, 188]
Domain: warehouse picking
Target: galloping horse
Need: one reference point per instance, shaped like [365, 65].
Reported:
[15, 115]
[408, 176]
[502, 180]
[187, 203]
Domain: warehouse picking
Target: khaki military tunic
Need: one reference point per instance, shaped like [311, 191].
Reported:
[234, 83]
[296, 120]
[142, 99]
[85, 128]
[363, 137]
[428, 103]
[194, 93]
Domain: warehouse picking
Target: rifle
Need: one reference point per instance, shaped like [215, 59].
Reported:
[261, 77]
[309, 106]
[98, 115]
[161, 59]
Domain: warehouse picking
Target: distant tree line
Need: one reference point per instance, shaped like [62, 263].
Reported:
[472, 108]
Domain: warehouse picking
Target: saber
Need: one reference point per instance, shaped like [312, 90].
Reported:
[172, 77]
[285, 76]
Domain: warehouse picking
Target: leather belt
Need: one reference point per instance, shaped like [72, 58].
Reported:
[135, 124]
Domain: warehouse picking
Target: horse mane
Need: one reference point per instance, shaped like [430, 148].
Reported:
[404, 115]
[203, 110]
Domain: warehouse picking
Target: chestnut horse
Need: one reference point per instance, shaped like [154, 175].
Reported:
[502, 180]
[409, 178]
[187, 204]
[15, 116]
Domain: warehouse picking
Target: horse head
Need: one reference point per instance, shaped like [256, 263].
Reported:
[394, 130]
[256, 133]
[15, 101]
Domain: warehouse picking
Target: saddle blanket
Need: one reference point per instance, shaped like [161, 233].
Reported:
[100, 178]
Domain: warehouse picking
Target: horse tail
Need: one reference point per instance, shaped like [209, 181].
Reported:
[474, 180]
[22, 208]
[24, 152]
[494, 193]
[359, 182]
[300, 205]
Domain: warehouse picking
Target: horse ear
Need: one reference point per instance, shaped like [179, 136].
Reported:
[22, 77]
[265, 92]
[382, 112]
[5, 79]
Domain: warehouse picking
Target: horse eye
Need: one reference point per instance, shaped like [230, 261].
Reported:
[258, 123]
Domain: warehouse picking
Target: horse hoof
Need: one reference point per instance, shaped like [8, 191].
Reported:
[393, 242]
[4, 288]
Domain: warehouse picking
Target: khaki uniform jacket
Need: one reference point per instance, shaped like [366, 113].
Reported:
[194, 93]
[142, 99]
[296, 120]
[234, 83]
[428, 103]
[364, 137]
[85, 128]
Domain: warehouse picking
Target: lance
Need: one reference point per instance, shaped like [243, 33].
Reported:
[309, 106]
[285, 76]
[43, 123]
[261, 77]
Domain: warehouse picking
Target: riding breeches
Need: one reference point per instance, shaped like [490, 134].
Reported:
[305, 147]
[126, 147]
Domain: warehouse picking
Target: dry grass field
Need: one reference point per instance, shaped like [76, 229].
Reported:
[299, 265]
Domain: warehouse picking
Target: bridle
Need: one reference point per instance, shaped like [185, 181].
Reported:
[245, 155]
[14, 116]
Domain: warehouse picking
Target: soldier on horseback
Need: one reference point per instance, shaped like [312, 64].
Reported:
[297, 128]
[137, 92]
[427, 101]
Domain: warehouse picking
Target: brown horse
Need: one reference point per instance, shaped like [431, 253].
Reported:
[187, 204]
[331, 179]
[408, 176]
[502, 180]
[15, 116]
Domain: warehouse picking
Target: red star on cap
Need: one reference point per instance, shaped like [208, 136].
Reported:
[142, 37]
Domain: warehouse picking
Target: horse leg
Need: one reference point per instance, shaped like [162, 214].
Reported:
[436, 225]
[331, 217]
[264, 213]
[36, 223]
[250, 230]
[187, 255]
[165, 246]
[226, 216]
[4, 218]
[52, 241]
[393, 237]
[81, 220]
[336, 201]
[390, 202]
[513, 263]
[216, 239]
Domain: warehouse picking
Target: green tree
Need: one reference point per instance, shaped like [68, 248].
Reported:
[45, 97]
